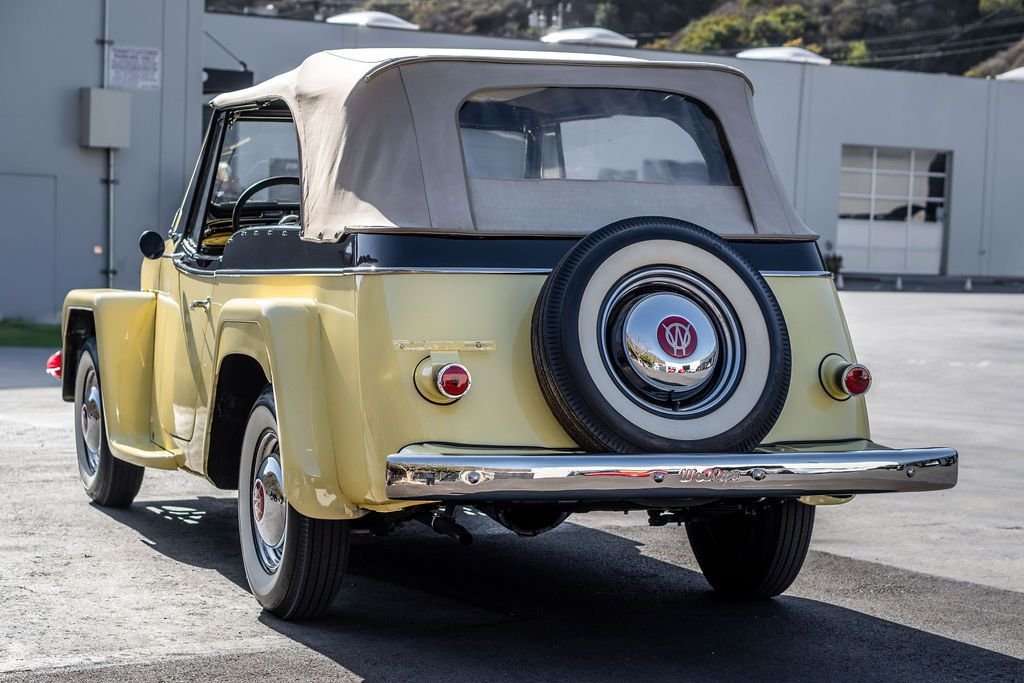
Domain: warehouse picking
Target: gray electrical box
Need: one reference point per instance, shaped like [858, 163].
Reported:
[106, 118]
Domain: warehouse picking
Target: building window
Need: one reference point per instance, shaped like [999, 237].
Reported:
[892, 209]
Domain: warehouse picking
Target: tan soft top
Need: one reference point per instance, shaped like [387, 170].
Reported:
[380, 149]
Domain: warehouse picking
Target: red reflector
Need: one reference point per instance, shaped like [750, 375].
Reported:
[53, 365]
[453, 380]
[856, 379]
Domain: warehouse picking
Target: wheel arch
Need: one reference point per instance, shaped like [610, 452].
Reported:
[79, 325]
[278, 341]
[240, 379]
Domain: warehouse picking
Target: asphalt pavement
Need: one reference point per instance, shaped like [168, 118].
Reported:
[900, 587]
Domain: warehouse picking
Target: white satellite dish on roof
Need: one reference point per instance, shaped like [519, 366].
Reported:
[784, 54]
[1012, 75]
[589, 36]
[373, 19]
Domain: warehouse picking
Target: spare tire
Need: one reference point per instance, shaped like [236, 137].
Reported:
[655, 335]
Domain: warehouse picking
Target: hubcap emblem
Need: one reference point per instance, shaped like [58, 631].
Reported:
[677, 336]
[259, 497]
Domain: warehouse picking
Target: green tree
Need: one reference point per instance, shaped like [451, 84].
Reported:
[750, 25]
[781, 24]
[857, 52]
[712, 33]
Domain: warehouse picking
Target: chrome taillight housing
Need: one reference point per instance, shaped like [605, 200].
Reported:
[842, 379]
[453, 380]
[856, 379]
[442, 382]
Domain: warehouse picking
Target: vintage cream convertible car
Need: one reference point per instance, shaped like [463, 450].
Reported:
[404, 282]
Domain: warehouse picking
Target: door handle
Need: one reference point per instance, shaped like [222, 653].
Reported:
[200, 303]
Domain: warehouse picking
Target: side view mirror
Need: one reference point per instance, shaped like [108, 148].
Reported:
[151, 244]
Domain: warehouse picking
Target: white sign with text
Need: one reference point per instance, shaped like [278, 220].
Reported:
[134, 68]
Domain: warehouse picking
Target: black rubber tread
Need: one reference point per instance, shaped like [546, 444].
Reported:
[320, 554]
[117, 482]
[573, 403]
[755, 556]
[580, 429]
[319, 568]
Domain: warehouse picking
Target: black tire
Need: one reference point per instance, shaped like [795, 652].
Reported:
[756, 555]
[587, 391]
[109, 481]
[302, 581]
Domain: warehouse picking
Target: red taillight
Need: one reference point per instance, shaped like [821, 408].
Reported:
[856, 379]
[53, 365]
[842, 379]
[453, 380]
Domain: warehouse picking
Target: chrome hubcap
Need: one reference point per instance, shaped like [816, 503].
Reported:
[92, 421]
[269, 509]
[671, 342]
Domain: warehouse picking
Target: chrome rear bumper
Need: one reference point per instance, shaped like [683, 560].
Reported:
[589, 477]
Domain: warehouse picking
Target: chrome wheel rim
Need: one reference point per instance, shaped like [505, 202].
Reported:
[91, 418]
[268, 509]
[687, 373]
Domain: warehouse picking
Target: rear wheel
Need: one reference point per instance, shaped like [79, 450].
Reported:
[756, 554]
[293, 563]
[108, 481]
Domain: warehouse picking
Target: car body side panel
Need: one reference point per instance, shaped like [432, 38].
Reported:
[283, 335]
[817, 328]
[124, 324]
[180, 375]
[505, 405]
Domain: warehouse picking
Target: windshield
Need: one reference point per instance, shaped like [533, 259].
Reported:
[593, 134]
[255, 150]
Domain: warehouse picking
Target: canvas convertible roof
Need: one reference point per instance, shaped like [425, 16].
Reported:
[380, 147]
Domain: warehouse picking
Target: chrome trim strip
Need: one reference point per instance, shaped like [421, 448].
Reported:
[363, 270]
[524, 477]
[177, 259]
[796, 273]
[357, 270]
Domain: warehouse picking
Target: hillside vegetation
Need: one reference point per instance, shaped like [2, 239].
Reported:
[976, 37]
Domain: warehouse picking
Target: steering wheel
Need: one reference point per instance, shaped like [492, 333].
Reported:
[247, 194]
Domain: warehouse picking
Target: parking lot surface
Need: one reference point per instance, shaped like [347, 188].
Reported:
[906, 587]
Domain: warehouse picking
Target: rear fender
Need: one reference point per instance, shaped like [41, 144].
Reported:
[283, 336]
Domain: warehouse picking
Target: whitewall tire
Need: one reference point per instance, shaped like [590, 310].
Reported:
[293, 563]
